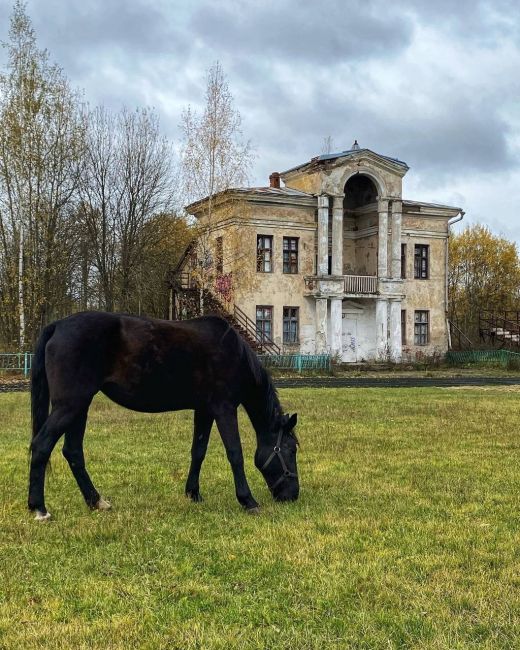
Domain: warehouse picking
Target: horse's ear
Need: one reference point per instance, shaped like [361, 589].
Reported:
[291, 422]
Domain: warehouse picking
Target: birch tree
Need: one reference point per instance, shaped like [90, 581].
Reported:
[41, 145]
[214, 158]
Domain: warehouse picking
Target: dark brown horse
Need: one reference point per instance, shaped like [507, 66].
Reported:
[153, 366]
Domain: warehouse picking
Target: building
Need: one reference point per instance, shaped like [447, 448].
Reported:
[330, 258]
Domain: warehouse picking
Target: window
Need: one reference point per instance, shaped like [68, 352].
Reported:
[290, 254]
[403, 326]
[219, 255]
[264, 253]
[421, 327]
[403, 261]
[290, 324]
[421, 262]
[264, 320]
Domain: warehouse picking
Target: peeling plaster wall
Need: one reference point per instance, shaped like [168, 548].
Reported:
[277, 289]
[366, 255]
[421, 224]
[427, 294]
[359, 331]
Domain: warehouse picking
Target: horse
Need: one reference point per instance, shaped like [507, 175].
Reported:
[151, 365]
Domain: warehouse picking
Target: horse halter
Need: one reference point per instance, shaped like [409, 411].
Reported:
[277, 451]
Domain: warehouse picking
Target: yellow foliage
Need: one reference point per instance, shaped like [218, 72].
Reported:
[484, 273]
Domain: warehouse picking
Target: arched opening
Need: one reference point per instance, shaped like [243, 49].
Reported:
[359, 220]
[360, 190]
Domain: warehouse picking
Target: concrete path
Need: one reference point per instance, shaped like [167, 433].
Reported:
[393, 382]
[352, 382]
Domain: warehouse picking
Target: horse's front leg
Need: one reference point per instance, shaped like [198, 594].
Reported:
[227, 423]
[202, 423]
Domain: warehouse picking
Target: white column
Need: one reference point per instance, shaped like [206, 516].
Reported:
[337, 235]
[382, 258]
[382, 328]
[395, 331]
[336, 326]
[321, 325]
[323, 234]
[396, 239]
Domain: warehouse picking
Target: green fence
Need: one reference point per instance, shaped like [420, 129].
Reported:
[502, 357]
[297, 362]
[17, 362]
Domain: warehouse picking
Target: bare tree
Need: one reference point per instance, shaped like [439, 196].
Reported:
[128, 177]
[214, 158]
[327, 145]
[41, 144]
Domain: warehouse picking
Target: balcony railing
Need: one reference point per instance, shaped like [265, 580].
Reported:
[360, 284]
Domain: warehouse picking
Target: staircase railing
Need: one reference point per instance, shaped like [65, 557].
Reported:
[502, 326]
[455, 331]
[220, 302]
[249, 325]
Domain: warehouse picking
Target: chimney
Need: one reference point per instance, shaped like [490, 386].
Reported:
[274, 180]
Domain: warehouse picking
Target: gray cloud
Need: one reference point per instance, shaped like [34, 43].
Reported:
[311, 32]
[435, 84]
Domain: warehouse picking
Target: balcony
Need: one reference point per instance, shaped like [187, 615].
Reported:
[360, 284]
[341, 285]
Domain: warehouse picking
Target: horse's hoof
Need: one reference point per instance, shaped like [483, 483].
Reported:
[103, 505]
[255, 510]
[196, 497]
[42, 516]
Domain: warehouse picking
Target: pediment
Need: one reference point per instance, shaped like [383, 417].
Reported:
[368, 158]
[351, 307]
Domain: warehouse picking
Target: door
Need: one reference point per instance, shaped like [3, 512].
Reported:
[349, 338]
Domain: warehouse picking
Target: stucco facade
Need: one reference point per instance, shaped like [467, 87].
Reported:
[367, 277]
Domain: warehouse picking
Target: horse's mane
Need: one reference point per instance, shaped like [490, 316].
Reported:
[270, 402]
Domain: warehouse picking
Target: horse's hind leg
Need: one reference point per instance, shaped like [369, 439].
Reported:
[202, 423]
[41, 448]
[73, 452]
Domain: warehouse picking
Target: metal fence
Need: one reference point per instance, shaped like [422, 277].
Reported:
[503, 357]
[296, 362]
[17, 362]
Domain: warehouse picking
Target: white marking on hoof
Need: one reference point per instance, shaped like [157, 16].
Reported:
[42, 516]
[103, 505]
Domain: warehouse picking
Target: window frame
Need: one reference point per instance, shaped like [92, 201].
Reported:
[421, 328]
[293, 267]
[419, 259]
[293, 337]
[219, 255]
[261, 331]
[403, 326]
[261, 254]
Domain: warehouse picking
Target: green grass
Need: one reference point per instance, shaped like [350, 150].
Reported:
[406, 535]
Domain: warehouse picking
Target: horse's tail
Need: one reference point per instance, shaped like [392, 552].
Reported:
[39, 383]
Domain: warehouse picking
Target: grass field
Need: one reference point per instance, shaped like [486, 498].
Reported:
[406, 535]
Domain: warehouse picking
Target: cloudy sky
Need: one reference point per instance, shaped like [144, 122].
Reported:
[436, 84]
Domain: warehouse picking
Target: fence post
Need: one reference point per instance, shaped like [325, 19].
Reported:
[299, 363]
[26, 364]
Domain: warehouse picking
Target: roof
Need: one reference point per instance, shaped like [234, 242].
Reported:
[266, 192]
[422, 204]
[275, 191]
[344, 154]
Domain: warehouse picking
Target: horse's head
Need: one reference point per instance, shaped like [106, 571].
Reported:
[276, 460]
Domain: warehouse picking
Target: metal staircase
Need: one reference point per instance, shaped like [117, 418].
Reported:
[458, 340]
[500, 328]
[195, 301]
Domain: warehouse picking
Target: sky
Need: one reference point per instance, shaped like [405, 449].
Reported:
[435, 84]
